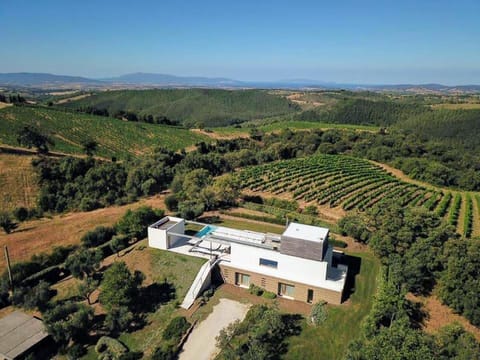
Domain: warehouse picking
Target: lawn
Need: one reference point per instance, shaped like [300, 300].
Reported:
[114, 137]
[330, 340]
[180, 270]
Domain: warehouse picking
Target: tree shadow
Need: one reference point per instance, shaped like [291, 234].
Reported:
[153, 295]
[354, 265]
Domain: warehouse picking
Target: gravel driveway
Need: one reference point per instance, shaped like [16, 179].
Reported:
[200, 345]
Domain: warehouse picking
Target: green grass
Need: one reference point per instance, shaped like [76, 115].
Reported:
[177, 269]
[330, 340]
[293, 125]
[252, 226]
[115, 137]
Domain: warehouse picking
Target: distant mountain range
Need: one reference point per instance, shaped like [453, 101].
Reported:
[149, 80]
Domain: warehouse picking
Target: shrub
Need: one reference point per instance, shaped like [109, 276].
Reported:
[164, 352]
[21, 213]
[109, 348]
[255, 290]
[318, 313]
[76, 351]
[176, 328]
[7, 223]
[269, 295]
[98, 236]
[171, 202]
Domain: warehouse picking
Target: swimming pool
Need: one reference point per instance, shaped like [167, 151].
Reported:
[205, 231]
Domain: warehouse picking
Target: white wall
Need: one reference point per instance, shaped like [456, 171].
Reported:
[292, 268]
[157, 238]
[178, 228]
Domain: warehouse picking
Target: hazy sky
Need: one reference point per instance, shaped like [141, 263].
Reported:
[387, 41]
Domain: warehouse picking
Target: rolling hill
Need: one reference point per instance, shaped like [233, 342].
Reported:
[192, 107]
[115, 137]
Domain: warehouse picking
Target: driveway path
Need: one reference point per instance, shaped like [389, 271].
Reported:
[200, 345]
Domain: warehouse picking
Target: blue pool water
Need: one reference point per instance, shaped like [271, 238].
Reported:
[205, 231]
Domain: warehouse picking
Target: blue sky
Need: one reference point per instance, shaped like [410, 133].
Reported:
[342, 41]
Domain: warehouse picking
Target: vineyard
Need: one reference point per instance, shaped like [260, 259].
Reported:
[348, 183]
[114, 137]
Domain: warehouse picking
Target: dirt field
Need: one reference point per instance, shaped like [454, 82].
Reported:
[440, 315]
[18, 182]
[73, 98]
[37, 236]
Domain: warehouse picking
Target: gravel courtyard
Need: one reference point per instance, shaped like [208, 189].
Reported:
[201, 342]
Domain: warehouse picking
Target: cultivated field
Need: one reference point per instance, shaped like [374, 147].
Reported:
[342, 183]
[115, 137]
[18, 182]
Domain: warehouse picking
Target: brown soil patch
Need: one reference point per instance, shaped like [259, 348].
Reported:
[4, 105]
[73, 98]
[440, 315]
[37, 236]
[215, 135]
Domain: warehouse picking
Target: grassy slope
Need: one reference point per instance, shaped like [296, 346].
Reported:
[18, 182]
[292, 125]
[115, 137]
[330, 340]
[177, 269]
[192, 106]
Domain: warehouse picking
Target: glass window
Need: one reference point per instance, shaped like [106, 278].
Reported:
[286, 290]
[242, 279]
[270, 263]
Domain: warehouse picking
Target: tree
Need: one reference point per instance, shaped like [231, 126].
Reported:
[87, 287]
[119, 287]
[68, 321]
[84, 262]
[6, 222]
[98, 236]
[21, 213]
[135, 222]
[118, 243]
[30, 137]
[453, 342]
[354, 225]
[89, 146]
[460, 281]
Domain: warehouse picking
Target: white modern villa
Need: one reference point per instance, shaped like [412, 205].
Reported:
[299, 264]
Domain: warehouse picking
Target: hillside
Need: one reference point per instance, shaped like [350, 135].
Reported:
[338, 184]
[115, 137]
[192, 107]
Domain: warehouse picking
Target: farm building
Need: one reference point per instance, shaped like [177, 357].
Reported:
[299, 264]
[20, 335]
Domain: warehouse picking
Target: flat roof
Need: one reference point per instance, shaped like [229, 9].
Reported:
[306, 232]
[18, 333]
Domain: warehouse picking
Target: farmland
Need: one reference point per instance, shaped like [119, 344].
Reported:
[18, 182]
[114, 137]
[346, 183]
